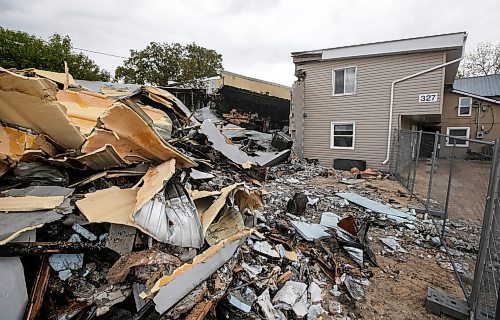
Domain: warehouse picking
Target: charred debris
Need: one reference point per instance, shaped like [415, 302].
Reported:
[125, 205]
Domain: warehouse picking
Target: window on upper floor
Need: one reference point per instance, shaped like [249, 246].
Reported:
[342, 135]
[458, 132]
[344, 81]
[464, 106]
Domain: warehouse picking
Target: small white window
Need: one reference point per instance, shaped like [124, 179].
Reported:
[459, 132]
[464, 106]
[342, 135]
[344, 81]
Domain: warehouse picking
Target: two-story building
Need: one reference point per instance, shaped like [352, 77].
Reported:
[471, 109]
[348, 100]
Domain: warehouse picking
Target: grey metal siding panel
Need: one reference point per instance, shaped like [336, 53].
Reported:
[369, 107]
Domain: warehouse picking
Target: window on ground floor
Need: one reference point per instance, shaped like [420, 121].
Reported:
[459, 132]
[342, 135]
[344, 81]
[464, 106]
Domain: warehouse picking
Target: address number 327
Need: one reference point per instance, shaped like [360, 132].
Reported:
[431, 97]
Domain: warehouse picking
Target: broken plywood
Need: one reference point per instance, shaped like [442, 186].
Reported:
[31, 103]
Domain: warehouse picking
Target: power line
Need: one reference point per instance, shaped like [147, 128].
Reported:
[87, 50]
[97, 52]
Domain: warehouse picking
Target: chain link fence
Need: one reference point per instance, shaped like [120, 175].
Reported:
[454, 179]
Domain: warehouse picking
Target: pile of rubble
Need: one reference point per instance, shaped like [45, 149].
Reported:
[125, 206]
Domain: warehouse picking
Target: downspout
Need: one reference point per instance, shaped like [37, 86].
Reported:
[392, 99]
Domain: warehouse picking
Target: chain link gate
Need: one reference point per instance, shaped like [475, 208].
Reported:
[457, 182]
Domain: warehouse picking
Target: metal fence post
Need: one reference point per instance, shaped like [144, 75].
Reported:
[433, 163]
[486, 229]
[419, 142]
[409, 157]
[450, 177]
[396, 170]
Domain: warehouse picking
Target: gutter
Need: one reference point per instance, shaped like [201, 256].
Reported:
[392, 99]
[475, 96]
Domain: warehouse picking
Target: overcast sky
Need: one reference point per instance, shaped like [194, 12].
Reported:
[255, 38]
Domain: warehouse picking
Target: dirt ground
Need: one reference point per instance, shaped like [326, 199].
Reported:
[399, 285]
[469, 186]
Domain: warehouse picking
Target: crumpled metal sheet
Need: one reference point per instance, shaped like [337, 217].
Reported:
[378, 207]
[172, 218]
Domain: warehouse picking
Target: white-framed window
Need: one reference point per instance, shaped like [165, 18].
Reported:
[464, 106]
[344, 81]
[459, 132]
[342, 135]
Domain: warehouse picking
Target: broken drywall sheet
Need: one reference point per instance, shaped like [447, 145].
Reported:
[132, 136]
[119, 271]
[83, 108]
[329, 220]
[14, 296]
[209, 215]
[310, 231]
[169, 100]
[102, 158]
[229, 224]
[270, 312]
[378, 207]
[57, 77]
[266, 249]
[31, 103]
[29, 203]
[14, 143]
[45, 191]
[171, 217]
[289, 294]
[392, 243]
[15, 223]
[153, 182]
[199, 175]
[187, 277]
[113, 205]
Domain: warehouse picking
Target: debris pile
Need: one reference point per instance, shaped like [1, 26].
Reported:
[127, 206]
[121, 204]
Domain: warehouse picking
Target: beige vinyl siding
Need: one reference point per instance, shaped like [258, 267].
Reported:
[369, 106]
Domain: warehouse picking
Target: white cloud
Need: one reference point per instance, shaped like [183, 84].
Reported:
[254, 37]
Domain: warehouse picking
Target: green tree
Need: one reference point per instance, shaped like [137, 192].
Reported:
[161, 63]
[483, 61]
[21, 50]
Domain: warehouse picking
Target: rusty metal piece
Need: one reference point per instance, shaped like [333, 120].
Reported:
[200, 310]
[349, 225]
